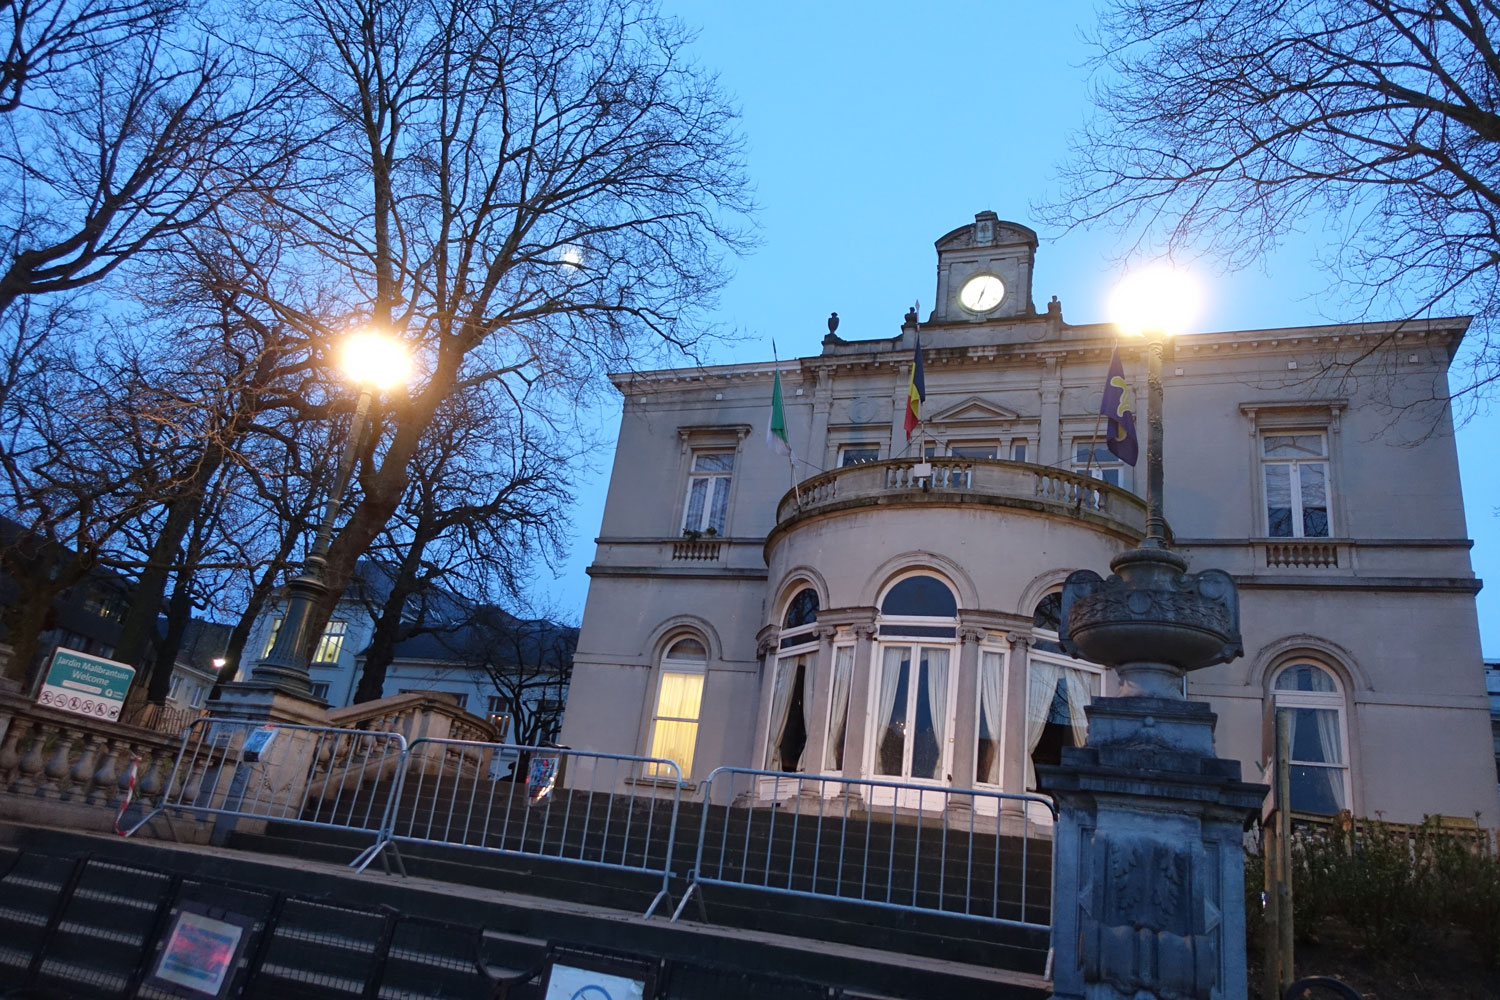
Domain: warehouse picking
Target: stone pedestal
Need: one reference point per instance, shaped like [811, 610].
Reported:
[1148, 878]
[259, 701]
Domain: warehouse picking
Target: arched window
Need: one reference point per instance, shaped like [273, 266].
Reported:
[1058, 689]
[679, 695]
[1314, 705]
[802, 609]
[914, 699]
[791, 692]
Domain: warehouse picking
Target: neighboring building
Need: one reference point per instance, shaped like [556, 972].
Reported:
[494, 663]
[1492, 688]
[895, 615]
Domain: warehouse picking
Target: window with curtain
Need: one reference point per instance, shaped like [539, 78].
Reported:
[1314, 704]
[1057, 691]
[1294, 469]
[838, 710]
[707, 508]
[991, 716]
[679, 696]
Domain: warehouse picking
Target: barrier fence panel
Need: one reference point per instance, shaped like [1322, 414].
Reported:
[309, 775]
[966, 853]
[601, 809]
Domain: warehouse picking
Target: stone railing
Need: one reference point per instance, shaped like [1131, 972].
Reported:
[696, 549]
[63, 769]
[1016, 484]
[1302, 553]
[433, 714]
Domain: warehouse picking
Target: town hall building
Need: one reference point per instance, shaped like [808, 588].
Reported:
[887, 607]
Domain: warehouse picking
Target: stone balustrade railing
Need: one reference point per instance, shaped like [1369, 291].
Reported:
[60, 768]
[430, 714]
[1014, 484]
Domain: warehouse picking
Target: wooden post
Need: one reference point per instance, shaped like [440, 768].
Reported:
[1285, 956]
[1276, 944]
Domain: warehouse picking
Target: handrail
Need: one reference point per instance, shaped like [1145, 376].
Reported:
[388, 714]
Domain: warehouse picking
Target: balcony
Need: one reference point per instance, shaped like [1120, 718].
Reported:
[962, 482]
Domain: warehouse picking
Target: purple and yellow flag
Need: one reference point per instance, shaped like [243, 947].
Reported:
[1118, 407]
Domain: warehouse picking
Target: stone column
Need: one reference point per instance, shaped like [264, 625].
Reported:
[817, 437]
[1013, 752]
[818, 689]
[898, 410]
[766, 647]
[857, 730]
[964, 742]
[1049, 433]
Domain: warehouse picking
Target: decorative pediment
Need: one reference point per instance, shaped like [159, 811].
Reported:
[974, 410]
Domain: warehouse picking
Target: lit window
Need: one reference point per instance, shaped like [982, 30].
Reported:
[1315, 721]
[1294, 468]
[329, 646]
[1094, 459]
[858, 454]
[679, 694]
[708, 492]
[332, 643]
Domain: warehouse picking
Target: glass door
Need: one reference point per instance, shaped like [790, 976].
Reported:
[913, 739]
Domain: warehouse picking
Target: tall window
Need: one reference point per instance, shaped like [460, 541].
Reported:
[1294, 468]
[1058, 690]
[791, 702]
[679, 695]
[1315, 722]
[991, 714]
[708, 492]
[1018, 450]
[329, 647]
[1103, 465]
[914, 710]
[838, 711]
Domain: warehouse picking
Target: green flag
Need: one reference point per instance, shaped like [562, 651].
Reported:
[776, 428]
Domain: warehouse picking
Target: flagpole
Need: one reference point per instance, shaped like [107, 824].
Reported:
[791, 460]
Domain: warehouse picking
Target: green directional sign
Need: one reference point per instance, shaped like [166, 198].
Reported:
[88, 685]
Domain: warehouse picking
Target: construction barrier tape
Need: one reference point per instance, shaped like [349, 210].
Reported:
[130, 773]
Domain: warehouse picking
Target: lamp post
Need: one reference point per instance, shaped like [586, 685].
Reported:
[373, 362]
[1148, 878]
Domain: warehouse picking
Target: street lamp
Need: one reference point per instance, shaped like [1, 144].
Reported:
[1154, 303]
[374, 362]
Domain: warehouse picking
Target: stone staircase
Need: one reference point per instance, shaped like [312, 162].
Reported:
[81, 916]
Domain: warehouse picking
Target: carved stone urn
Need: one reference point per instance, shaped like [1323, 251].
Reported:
[1151, 620]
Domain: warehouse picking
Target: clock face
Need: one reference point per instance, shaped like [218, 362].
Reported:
[982, 293]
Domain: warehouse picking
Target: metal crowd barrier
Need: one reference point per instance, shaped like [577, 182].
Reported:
[307, 775]
[601, 809]
[964, 853]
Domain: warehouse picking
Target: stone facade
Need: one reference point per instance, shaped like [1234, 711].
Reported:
[1316, 465]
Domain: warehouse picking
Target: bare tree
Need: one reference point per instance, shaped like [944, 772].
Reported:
[531, 192]
[1226, 125]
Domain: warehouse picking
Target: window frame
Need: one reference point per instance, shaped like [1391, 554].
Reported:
[711, 478]
[1335, 700]
[1003, 652]
[1295, 478]
[1097, 468]
[845, 450]
[674, 665]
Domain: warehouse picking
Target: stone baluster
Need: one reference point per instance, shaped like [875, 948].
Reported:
[148, 778]
[83, 771]
[10, 752]
[30, 767]
[107, 774]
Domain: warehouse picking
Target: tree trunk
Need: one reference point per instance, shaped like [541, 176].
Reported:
[179, 612]
[145, 602]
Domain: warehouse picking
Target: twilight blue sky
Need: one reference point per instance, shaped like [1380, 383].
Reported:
[874, 128]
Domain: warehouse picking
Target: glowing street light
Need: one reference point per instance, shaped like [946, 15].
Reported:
[374, 362]
[1156, 303]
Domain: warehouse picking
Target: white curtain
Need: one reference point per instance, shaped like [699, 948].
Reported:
[1328, 742]
[808, 686]
[1078, 697]
[781, 702]
[890, 679]
[937, 703]
[838, 716]
[1041, 689]
[990, 685]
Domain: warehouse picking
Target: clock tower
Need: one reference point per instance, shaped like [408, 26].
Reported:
[984, 271]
